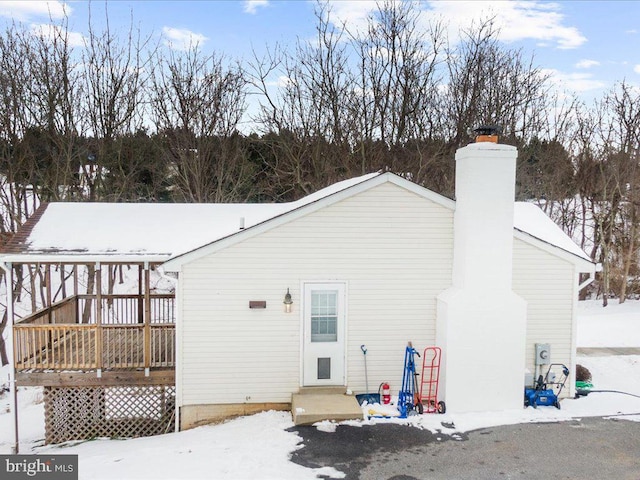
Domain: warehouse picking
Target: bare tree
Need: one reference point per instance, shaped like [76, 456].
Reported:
[621, 138]
[306, 111]
[53, 140]
[605, 173]
[398, 75]
[114, 78]
[197, 104]
[490, 84]
[14, 119]
[351, 102]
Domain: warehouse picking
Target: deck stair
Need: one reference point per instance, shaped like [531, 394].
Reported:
[315, 404]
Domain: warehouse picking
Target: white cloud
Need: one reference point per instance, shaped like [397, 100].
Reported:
[281, 82]
[587, 63]
[353, 13]
[517, 20]
[25, 10]
[182, 39]
[637, 69]
[577, 82]
[48, 31]
[251, 6]
[284, 81]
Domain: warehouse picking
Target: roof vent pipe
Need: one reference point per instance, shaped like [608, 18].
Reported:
[241, 223]
[487, 133]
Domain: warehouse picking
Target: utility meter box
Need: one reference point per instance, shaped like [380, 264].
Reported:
[543, 354]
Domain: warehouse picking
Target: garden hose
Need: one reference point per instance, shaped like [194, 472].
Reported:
[583, 392]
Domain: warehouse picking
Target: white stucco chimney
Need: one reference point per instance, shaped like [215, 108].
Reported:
[481, 322]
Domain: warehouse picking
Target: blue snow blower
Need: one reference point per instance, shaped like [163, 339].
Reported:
[544, 392]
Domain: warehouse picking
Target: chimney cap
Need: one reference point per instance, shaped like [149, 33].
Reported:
[488, 130]
[487, 133]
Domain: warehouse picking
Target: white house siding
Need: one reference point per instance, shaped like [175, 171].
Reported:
[391, 247]
[546, 282]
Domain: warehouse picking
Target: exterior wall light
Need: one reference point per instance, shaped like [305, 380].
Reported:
[288, 302]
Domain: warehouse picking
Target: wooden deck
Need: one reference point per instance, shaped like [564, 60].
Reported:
[75, 347]
[127, 334]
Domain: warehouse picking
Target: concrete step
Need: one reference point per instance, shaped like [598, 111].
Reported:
[307, 408]
[322, 390]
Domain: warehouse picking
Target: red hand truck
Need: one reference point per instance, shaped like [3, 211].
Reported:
[430, 378]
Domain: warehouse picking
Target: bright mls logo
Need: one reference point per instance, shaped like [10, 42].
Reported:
[19, 467]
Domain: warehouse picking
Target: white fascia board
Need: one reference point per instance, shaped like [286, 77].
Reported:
[174, 264]
[82, 258]
[584, 266]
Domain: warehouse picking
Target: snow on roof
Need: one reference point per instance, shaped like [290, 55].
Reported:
[145, 229]
[138, 228]
[530, 219]
[167, 229]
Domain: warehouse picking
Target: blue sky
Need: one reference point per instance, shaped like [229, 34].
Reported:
[585, 45]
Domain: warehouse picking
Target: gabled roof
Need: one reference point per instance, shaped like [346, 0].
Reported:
[179, 233]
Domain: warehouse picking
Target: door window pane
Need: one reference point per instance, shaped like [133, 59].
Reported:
[324, 316]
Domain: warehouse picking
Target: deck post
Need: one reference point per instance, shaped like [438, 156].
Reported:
[47, 279]
[140, 295]
[147, 319]
[75, 280]
[10, 345]
[78, 318]
[98, 274]
[63, 281]
[32, 284]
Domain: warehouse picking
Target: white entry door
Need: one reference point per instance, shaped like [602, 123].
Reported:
[323, 332]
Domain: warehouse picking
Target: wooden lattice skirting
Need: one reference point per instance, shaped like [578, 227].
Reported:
[80, 413]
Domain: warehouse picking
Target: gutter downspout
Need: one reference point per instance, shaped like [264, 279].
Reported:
[13, 391]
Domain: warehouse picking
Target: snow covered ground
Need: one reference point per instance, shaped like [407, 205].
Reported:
[259, 446]
[617, 325]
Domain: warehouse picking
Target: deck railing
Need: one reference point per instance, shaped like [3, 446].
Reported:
[126, 309]
[70, 335]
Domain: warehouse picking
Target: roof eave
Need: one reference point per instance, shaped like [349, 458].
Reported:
[83, 258]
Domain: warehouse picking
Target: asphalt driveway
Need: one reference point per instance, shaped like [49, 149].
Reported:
[593, 448]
